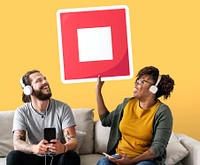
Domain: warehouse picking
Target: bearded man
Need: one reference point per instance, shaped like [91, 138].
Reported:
[41, 112]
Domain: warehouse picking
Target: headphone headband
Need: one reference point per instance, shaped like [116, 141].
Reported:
[158, 80]
[21, 82]
[27, 89]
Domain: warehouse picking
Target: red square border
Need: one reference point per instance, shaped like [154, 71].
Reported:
[116, 17]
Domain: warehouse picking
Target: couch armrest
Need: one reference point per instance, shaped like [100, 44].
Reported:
[193, 146]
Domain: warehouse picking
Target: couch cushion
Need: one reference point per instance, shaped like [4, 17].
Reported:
[84, 118]
[90, 159]
[175, 151]
[6, 143]
[80, 135]
[101, 137]
[3, 161]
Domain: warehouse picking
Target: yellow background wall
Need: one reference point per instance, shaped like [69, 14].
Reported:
[165, 34]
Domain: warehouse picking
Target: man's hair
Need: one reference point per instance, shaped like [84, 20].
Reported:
[27, 81]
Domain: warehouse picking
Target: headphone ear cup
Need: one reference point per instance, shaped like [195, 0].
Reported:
[27, 90]
[153, 89]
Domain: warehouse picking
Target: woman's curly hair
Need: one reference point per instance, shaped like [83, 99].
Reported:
[166, 84]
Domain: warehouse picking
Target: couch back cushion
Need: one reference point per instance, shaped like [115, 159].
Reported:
[175, 150]
[84, 118]
[6, 136]
[101, 137]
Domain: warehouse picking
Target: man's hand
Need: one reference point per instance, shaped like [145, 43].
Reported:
[40, 148]
[56, 147]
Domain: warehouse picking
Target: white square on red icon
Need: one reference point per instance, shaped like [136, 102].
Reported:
[94, 44]
[94, 41]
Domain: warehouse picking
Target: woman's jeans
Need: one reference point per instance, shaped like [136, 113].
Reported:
[106, 161]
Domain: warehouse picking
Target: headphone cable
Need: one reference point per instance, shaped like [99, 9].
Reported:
[51, 162]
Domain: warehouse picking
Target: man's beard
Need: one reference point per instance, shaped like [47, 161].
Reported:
[42, 96]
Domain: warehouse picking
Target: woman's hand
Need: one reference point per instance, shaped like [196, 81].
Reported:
[124, 160]
[99, 84]
[100, 102]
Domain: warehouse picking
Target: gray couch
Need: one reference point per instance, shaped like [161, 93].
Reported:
[93, 138]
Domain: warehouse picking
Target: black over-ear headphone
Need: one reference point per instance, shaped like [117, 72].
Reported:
[27, 89]
[153, 88]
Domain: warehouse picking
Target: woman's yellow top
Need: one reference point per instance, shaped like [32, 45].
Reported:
[136, 127]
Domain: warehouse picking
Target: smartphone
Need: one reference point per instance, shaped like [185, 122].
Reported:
[113, 156]
[109, 156]
[49, 134]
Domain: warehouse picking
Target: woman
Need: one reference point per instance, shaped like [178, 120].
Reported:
[140, 126]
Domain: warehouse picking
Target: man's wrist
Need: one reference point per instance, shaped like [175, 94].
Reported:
[29, 148]
[65, 148]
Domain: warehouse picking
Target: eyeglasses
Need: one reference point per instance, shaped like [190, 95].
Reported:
[141, 81]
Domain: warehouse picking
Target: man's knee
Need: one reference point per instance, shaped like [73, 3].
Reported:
[72, 157]
[14, 157]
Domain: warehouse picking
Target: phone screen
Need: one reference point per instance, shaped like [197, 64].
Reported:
[112, 156]
[49, 134]
[106, 155]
